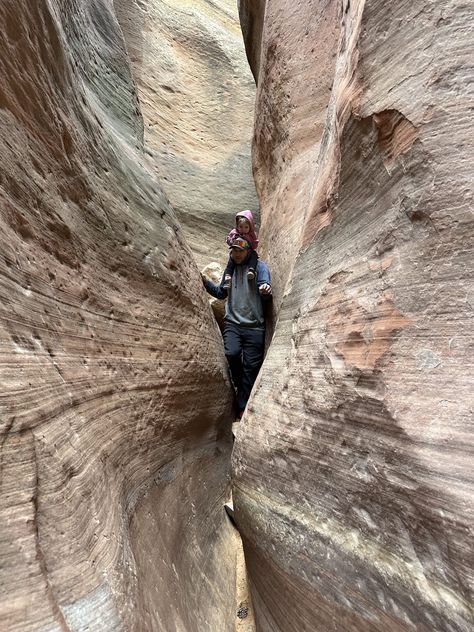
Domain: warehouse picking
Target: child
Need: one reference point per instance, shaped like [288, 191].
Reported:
[245, 228]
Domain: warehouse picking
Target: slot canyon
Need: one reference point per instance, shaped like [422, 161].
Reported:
[131, 132]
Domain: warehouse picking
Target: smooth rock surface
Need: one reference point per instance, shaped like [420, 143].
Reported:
[114, 399]
[353, 481]
[197, 96]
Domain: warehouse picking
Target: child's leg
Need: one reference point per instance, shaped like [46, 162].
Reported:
[252, 264]
[253, 259]
[228, 272]
[230, 267]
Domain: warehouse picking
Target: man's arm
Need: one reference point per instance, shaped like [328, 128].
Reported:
[263, 281]
[217, 291]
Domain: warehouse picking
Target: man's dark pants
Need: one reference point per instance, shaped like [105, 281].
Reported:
[243, 348]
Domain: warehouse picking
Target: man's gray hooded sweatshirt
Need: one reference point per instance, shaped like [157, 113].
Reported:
[244, 304]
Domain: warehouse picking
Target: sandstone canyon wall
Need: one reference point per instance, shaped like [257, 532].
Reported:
[353, 467]
[114, 390]
[252, 14]
[197, 97]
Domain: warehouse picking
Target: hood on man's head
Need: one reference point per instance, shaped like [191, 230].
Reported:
[248, 216]
[240, 244]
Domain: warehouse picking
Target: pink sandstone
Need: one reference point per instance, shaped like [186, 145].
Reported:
[114, 391]
[353, 485]
[197, 97]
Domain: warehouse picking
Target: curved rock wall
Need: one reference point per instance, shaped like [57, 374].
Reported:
[197, 97]
[353, 466]
[291, 109]
[252, 15]
[114, 388]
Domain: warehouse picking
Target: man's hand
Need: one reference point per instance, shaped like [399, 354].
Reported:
[265, 288]
[203, 278]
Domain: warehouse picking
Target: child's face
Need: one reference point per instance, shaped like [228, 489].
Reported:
[243, 225]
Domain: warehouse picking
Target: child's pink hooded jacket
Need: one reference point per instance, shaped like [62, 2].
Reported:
[251, 236]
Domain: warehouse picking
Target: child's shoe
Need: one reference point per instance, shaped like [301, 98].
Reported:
[250, 274]
[227, 282]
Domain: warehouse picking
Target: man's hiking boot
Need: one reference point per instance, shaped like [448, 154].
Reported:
[250, 274]
[227, 282]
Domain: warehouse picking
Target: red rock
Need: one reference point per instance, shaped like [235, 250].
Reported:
[197, 96]
[114, 391]
[353, 466]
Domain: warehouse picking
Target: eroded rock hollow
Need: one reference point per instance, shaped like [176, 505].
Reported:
[114, 391]
[353, 468]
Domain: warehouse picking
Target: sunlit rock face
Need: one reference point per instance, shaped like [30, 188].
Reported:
[113, 383]
[353, 465]
[197, 95]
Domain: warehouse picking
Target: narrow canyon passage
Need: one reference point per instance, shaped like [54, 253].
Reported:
[125, 133]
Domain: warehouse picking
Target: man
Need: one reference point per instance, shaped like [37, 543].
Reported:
[244, 320]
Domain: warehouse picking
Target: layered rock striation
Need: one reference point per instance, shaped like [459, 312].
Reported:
[114, 391]
[353, 467]
[197, 97]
